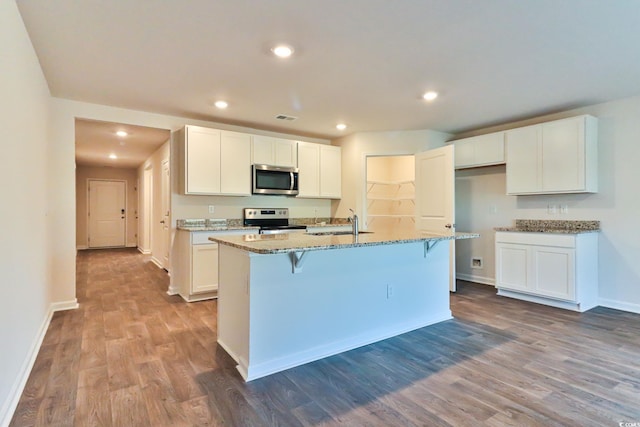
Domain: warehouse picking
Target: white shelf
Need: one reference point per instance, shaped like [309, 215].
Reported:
[389, 216]
[394, 199]
[390, 182]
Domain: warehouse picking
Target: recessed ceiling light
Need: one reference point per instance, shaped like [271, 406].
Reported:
[121, 133]
[341, 126]
[282, 51]
[113, 156]
[430, 96]
[221, 104]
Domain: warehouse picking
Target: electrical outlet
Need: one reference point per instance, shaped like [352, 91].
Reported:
[389, 290]
[564, 209]
[493, 209]
[212, 209]
[476, 262]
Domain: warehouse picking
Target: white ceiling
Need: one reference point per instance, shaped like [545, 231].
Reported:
[95, 141]
[364, 62]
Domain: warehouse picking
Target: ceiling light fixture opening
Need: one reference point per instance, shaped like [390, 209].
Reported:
[121, 133]
[430, 96]
[341, 126]
[113, 156]
[221, 104]
[282, 51]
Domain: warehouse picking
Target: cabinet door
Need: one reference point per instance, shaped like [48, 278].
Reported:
[512, 269]
[489, 149]
[563, 156]
[235, 163]
[285, 152]
[202, 160]
[204, 268]
[464, 153]
[553, 272]
[309, 165]
[330, 171]
[523, 160]
[262, 152]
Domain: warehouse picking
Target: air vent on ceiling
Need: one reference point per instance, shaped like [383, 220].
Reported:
[285, 117]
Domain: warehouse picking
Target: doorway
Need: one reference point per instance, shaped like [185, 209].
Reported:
[106, 213]
[390, 203]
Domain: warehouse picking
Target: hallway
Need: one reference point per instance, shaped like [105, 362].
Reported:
[133, 356]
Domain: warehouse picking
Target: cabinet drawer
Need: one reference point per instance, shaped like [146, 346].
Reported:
[202, 237]
[538, 239]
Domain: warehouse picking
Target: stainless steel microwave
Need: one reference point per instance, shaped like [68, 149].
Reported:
[280, 180]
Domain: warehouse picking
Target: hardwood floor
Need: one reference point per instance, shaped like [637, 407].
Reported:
[133, 356]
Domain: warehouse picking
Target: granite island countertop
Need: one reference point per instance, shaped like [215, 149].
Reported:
[552, 226]
[294, 242]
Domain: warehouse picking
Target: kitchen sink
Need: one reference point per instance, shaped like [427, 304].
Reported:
[337, 233]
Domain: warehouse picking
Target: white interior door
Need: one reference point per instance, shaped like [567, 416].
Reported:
[166, 218]
[435, 198]
[107, 213]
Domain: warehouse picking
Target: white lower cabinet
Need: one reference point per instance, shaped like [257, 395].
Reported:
[204, 268]
[560, 270]
[194, 270]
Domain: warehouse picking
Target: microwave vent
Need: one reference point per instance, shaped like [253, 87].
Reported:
[285, 117]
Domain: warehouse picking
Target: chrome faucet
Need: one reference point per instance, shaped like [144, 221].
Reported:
[354, 223]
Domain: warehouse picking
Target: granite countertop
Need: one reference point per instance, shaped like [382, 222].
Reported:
[552, 226]
[284, 243]
[236, 224]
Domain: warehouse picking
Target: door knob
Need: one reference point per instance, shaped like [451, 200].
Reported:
[449, 226]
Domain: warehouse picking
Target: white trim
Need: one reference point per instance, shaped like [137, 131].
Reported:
[81, 247]
[567, 305]
[476, 279]
[269, 367]
[9, 408]
[144, 251]
[156, 262]
[619, 305]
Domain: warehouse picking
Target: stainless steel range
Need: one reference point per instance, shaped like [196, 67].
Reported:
[271, 221]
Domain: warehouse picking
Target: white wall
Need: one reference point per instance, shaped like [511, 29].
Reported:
[83, 174]
[616, 205]
[24, 243]
[355, 149]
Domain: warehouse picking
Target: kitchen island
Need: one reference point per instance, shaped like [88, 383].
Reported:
[288, 299]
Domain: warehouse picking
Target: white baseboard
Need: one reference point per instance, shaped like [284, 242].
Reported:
[82, 247]
[476, 279]
[619, 305]
[144, 251]
[156, 262]
[10, 405]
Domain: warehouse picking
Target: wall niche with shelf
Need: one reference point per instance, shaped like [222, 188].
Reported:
[390, 193]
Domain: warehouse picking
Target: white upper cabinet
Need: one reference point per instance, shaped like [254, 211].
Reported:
[215, 162]
[477, 151]
[235, 163]
[267, 150]
[320, 174]
[330, 171]
[201, 148]
[309, 169]
[553, 157]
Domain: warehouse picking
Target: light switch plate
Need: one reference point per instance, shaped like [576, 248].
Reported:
[212, 209]
[552, 209]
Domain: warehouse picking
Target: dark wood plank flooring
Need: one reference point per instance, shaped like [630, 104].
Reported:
[133, 356]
